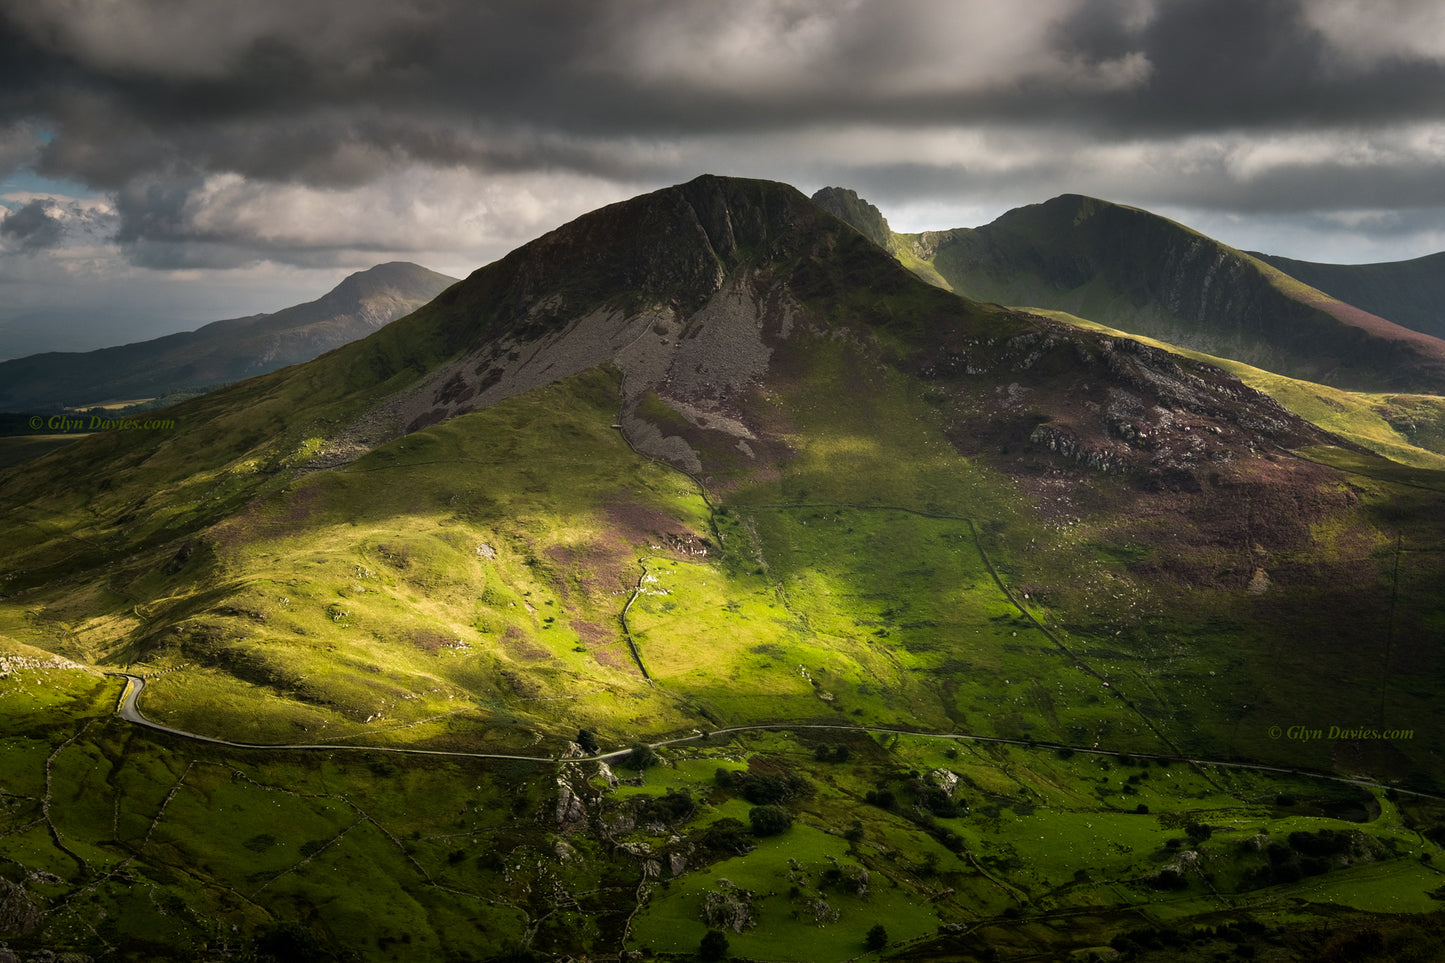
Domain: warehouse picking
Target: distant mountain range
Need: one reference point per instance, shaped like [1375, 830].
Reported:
[223, 351]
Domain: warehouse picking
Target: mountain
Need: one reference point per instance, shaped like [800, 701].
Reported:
[745, 337]
[887, 604]
[1410, 293]
[223, 351]
[1142, 273]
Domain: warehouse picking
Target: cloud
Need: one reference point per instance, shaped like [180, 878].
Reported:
[316, 132]
[36, 225]
[418, 212]
[1230, 65]
[42, 223]
[20, 145]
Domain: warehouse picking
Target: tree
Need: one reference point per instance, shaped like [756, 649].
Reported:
[714, 946]
[587, 739]
[640, 758]
[877, 938]
[770, 820]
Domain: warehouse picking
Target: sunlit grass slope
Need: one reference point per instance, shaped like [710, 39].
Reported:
[465, 578]
[468, 583]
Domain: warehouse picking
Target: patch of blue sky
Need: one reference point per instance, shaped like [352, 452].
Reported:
[24, 182]
[28, 182]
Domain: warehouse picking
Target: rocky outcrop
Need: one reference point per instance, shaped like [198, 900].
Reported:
[571, 813]
[863, 217]
[18, 914]
[728, 907]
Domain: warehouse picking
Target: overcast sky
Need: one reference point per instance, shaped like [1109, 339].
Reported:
[169, 163]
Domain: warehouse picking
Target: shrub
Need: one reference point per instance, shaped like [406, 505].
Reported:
[671, 808]
[883, 799]
[762, 789]
[937, 801]
[1169, 879]
[827, 752]
[770, 820]
[725, 837]
[714, 946]
[877, 938]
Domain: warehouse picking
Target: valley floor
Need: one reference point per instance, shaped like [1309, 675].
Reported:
[961, 848]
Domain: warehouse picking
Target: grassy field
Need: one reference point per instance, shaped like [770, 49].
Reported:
[143, 847]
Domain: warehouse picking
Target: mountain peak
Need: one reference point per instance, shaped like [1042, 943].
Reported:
[853, 210]
[394, 282]
[670, 246]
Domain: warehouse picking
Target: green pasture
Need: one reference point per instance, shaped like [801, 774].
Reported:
[149, 840]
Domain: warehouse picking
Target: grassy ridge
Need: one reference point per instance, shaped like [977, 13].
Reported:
[858, 572]
[1151, 276]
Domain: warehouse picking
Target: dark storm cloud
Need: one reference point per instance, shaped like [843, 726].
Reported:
[150, 101]
[439, 82]
[282, 97]
[1230, 64]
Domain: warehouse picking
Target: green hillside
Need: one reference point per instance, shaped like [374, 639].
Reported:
[1141, 273]
[881, 606]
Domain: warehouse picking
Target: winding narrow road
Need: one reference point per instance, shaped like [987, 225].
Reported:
[128, 710]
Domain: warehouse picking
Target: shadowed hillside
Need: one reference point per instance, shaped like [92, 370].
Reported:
[1411, 293]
